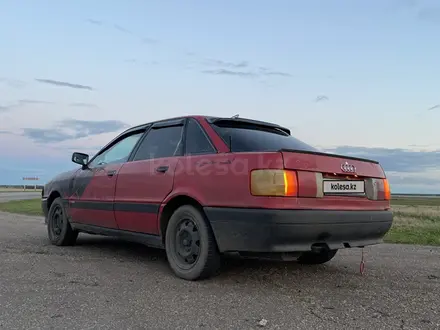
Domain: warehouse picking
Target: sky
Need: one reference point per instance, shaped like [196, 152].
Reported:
[351, 77]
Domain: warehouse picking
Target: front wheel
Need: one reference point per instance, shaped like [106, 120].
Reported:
[313, 258]
[190, 245]
[58, 227]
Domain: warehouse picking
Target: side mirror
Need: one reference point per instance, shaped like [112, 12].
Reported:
[80, 158]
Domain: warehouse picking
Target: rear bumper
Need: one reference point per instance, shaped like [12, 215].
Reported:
[268, 230]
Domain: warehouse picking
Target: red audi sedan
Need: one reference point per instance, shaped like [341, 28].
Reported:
[200, 187]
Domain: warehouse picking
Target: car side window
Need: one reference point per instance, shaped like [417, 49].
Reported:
[161, 142]
[196, 142]
[118, 153]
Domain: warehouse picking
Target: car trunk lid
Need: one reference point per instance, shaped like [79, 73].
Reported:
[332, 164]
[337, 177]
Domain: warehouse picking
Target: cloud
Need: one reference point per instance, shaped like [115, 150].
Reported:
[237, 69]
[30, 101]
[63, 84]
[429, 14]
[87, 127]
[395, 160]
[245, 74]
[69, 129]
[403, 4]
[121, 29]
[268, 72]
[224, 64]
[14, 83]
[83, 105]
[321, 98]
[41, 135]
[144, 40]
[404, 179]
[94, 21]
[4, 108]
[224, 72]
[147, 40]
[437, 106]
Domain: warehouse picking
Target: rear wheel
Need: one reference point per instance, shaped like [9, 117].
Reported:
[58, 227]
[190, 245]
[313, 258]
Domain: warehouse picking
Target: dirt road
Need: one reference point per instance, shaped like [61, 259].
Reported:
[106, 284]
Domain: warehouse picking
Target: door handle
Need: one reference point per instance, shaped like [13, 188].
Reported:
[162, 169]
[111, 173]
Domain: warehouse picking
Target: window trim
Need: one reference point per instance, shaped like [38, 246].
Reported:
[158, 126]
[118, 139]
[215, 150]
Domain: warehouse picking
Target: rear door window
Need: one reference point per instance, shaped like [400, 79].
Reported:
[160, 143]
[245, 137]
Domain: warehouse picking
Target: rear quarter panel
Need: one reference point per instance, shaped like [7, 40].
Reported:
[221, 179]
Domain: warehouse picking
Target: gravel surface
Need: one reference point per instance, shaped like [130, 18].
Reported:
[102, 283]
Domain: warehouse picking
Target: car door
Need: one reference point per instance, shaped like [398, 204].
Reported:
[94, 186]
[147, 178]
[202, 165]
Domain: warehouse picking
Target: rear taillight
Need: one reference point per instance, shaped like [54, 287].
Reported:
[273, 183]
[387, 190]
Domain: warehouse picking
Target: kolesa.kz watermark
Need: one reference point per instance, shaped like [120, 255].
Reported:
[345, 186]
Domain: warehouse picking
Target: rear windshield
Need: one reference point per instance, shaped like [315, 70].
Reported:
[253, 138]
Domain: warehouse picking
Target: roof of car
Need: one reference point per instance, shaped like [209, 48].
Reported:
[212, 119]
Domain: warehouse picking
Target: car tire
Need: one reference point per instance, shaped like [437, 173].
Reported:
[59, 230]
[313, 258]
[190, 245]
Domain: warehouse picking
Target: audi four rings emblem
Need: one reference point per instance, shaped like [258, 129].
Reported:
[346, 167]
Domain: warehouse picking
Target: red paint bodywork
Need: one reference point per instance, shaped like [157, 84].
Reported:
[223, 179]
[139, 182]
[100, 189]
[218, 180]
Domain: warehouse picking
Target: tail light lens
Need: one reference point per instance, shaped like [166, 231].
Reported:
[387, 190]
[274, 183]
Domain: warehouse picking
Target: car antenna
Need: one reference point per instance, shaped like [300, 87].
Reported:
[235, 116]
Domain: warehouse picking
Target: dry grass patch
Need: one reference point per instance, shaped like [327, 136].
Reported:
[415, 224]
[29, 207]
[4, 189]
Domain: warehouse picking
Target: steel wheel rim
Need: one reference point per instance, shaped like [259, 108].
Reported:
[57, 221]
[187, 243]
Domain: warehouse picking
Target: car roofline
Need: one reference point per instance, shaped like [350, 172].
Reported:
[211, 120]
[144, 126]
[214, 120]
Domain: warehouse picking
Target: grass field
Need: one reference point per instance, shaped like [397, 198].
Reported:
[29, 207]
[416, 219]
[8, 190]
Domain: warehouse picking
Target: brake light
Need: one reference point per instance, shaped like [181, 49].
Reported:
[274, 183]
[387, 190]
